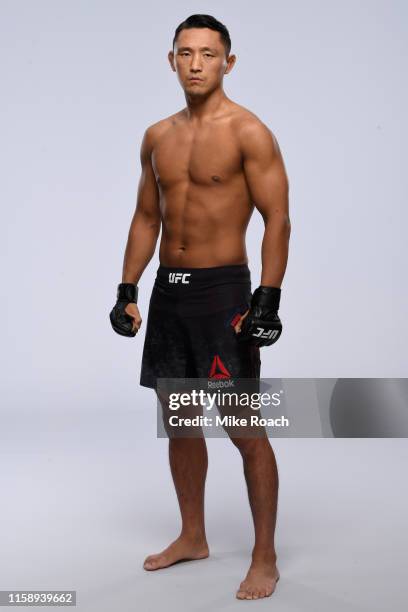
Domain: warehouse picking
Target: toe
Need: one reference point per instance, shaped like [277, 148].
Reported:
[151, 563]
[241, 591]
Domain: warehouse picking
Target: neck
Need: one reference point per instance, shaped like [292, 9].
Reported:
[200, 107]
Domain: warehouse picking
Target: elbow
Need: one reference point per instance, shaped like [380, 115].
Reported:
[281, 224]
[146, 223]
[154, 225]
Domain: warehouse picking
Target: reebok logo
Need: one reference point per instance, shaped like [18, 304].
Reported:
[218, 369]
[177, 277]
[270, 333]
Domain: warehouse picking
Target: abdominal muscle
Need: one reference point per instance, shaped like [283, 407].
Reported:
[209, 255]
[203, 235]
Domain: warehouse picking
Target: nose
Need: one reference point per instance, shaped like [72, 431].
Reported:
[196, 63]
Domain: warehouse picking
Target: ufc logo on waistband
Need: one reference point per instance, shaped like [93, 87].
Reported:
[176, 277]
[270, 333]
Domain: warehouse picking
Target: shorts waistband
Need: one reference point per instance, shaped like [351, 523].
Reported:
[181, 278]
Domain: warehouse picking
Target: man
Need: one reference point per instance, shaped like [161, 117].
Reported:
[203, 171]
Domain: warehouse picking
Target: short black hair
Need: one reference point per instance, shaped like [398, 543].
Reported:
[205, 21]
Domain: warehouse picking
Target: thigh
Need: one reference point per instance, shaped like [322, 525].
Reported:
[215, 349]
[179, 420]
[165, 350]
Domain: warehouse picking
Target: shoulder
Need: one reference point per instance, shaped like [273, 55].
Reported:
[151, 136]
[154, 131]
[252, 133]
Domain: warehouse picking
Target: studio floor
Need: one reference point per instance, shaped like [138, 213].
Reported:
[87, 495]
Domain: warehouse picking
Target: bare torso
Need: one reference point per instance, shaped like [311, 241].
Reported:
[205, 203]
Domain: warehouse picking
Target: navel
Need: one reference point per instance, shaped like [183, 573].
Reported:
[216, 178]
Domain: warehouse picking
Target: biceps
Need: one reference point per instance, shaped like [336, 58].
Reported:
[148, 195]
[268, 185]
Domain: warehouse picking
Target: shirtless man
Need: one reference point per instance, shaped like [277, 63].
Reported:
[203, 171]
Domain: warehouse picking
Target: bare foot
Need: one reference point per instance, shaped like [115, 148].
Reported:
[182, 549]
[260, 581]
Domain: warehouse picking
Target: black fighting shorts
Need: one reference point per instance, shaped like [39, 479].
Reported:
[190, 331]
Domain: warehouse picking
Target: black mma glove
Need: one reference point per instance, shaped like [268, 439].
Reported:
[122, 323]
[262, 326]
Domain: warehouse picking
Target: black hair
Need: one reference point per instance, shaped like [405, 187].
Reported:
[205, 21]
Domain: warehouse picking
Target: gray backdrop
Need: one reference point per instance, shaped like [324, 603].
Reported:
[80, 83]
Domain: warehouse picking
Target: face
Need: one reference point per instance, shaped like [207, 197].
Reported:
[199, 58]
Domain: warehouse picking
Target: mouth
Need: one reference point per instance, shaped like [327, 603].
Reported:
[195, 80]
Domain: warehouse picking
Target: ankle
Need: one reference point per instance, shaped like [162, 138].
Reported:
[264, 556]
[193, 534]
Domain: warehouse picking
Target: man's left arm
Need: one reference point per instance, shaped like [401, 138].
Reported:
[269, 190]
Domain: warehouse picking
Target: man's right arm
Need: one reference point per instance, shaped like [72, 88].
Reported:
[145, 227]
[143, 233]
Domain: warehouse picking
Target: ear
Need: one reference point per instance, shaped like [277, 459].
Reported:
[171, 60]
[230, 63]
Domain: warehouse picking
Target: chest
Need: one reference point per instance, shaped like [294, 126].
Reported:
[210, 155]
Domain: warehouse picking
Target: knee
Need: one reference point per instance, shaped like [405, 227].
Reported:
[250, 446]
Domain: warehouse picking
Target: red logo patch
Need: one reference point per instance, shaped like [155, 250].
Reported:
[235, 320]
[218, 369]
